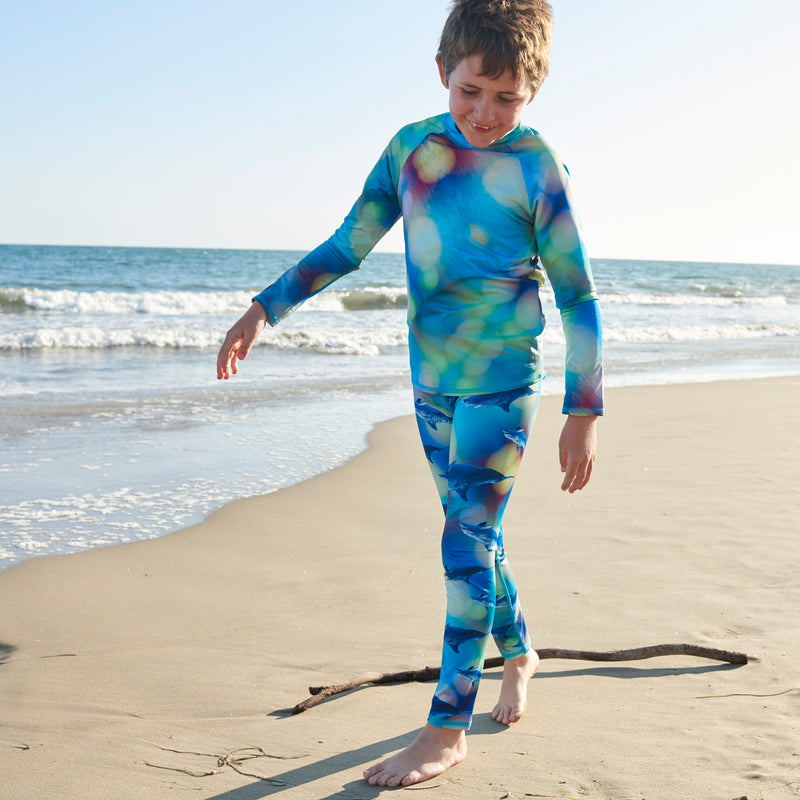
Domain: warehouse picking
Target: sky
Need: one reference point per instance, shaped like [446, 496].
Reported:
[252, 124]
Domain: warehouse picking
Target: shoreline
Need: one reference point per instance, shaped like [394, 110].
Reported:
[114, 502]
[199, 640]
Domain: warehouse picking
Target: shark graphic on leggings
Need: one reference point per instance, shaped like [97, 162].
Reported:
[481, 593]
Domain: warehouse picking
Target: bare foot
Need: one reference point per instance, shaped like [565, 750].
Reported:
[514, 690]
[429, 755]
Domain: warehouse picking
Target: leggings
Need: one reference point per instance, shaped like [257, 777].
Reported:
[474, 445]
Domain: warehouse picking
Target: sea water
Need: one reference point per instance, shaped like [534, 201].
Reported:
[113, 426]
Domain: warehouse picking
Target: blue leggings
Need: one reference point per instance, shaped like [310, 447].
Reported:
[474, 446]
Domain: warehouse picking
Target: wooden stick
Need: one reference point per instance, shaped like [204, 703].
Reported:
[320, 693]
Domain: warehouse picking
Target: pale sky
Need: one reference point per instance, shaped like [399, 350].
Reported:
[249, 124]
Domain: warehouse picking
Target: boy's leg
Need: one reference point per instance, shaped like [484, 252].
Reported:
[508, 629]
[434, 414]
[488, 436]
[474, 446]
[512, 640]
[435, 423]
[435, 749]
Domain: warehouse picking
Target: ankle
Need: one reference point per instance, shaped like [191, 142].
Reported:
[526, 662]
[448, 737]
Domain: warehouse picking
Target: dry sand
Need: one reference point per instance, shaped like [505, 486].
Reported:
[197, 642]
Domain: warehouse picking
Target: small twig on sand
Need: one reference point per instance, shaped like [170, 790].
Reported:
[320, 693]
[234, 760]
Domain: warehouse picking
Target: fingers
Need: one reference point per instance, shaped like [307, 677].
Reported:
[238, 341]
[577, 476]
[228, 355]
[236, 346]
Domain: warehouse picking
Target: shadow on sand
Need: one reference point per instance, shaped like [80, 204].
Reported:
[370, 753]
[6, 651]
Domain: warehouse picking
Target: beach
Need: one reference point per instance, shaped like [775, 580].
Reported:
[129, 671]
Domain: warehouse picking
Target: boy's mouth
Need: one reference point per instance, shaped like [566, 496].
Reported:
[477, 127]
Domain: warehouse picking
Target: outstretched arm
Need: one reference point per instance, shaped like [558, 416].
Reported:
[239, 339]
[577, 447]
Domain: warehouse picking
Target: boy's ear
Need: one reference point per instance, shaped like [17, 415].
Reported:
[442, 73]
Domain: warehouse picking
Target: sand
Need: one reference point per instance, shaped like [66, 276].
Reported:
[114, 659]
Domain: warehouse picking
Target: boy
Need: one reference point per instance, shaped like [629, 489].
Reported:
[483, 200]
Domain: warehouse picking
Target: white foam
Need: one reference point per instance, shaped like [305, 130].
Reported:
[732, 299]
[696, 333]
[370, 298]
[94, 337]
[337, 341]
[166, 303]
[102, 303]
[660, 333]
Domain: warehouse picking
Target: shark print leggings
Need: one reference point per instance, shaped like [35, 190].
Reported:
[474, 445]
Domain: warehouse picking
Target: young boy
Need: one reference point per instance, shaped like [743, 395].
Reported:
[484, 200]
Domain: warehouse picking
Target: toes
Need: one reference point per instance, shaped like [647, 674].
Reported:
[393, 779]
[412, 777]
[373, 770]
[500, 714]
[375, 776]
[380, 777]
[506, 715]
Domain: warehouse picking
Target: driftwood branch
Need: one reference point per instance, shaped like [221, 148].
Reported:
[320, 693]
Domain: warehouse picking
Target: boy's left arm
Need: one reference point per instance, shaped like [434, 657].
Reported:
[564, 257]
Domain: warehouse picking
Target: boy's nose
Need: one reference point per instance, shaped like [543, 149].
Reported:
[484, 110]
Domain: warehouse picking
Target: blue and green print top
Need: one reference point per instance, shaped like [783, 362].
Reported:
[478, 223]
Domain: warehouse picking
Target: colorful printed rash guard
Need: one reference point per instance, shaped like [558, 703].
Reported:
[478, 222]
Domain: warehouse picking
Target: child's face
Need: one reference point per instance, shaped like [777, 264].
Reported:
[485, 109]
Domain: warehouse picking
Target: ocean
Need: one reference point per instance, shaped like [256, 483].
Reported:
[114, 427]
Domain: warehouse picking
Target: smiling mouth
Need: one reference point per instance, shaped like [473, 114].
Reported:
[478, 127]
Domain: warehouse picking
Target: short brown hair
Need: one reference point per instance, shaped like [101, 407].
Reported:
[509, 36]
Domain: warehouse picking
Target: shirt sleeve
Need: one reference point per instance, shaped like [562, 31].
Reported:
[564, 258]
[373, 214]
[583, 373]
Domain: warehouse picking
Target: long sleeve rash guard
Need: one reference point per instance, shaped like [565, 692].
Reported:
[477, 224]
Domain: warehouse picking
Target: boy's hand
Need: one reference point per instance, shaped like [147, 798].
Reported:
[576, 451]
[239, 339]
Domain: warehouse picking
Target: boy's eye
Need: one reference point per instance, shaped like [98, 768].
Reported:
[469, 92]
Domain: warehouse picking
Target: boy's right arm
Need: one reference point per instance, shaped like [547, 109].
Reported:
[239, 339]
[374, 213]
